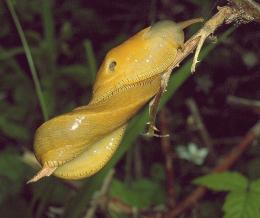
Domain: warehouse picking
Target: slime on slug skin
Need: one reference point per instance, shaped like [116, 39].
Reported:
[79, 143]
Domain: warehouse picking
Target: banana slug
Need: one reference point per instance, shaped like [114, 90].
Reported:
[77, 144]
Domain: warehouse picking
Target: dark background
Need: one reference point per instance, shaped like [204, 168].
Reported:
[59, 34]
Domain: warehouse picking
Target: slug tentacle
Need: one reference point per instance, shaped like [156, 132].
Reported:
[187, 23]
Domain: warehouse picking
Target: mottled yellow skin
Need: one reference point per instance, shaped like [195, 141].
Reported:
[79, 143]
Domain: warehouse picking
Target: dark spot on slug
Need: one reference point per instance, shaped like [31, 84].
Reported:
[112, 66]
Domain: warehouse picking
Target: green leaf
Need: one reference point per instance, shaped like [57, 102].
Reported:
[241, 204]
[250, 59]
[12, 171]
[157, 172]
[6, 54]
[152, 193]
[28, 55]
[11, 165]
[79, 73]
[255, 190]
[255, 186]
[253, 167]
[227, 181]
[14, 129]
[92, 63]
[114, 214]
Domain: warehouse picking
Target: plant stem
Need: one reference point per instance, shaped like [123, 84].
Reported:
[29, 59]
[91, 59]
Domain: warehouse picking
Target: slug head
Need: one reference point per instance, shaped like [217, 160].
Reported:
[148, 53]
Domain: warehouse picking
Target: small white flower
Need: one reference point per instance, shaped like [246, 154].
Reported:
[192, 153]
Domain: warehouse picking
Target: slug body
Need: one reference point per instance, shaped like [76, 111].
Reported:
[79, 143]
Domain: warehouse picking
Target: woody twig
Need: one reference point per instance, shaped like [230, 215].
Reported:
[168, 155]
[225, 164]
[242, 12]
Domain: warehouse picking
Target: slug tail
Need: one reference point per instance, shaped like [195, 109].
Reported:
[187, 23]
[45, 171]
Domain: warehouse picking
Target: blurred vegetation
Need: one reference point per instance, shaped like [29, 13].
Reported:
[68, 40]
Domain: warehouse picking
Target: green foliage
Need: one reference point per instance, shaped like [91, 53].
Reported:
[91, 60]
[14, 129]
[12, 173]
[253, 168]
[77, 73]
[227, 181]
[243, 198]
[29, 58]
[141, 193]
[157, 172]
[241, 204]
[250, 59]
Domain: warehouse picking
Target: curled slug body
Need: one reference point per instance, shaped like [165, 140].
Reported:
[79, 143]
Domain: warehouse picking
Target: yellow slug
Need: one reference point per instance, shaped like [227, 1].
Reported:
[79, 143]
